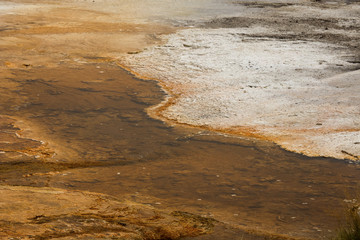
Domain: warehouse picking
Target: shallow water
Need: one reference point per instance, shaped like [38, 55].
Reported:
[113, 147]
[92, 114]
[175, 12]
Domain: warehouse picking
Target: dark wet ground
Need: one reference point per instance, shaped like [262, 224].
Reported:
[106, 143]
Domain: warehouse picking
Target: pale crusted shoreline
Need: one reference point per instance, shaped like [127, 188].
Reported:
[60, 79]
[291, 87]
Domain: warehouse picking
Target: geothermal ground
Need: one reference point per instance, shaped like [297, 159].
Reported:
[288, 76]
[168, 119]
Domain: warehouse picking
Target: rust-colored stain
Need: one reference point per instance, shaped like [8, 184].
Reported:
[74, 121]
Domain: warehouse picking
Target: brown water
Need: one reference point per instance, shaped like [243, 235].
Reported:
[93, 116]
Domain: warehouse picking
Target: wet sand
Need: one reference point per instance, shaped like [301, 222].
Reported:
[74, 120]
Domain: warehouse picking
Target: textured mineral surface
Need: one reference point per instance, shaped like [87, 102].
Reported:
[47, 213]
[83, 154]
[286, 75]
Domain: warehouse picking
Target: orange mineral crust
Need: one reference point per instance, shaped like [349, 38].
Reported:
[163, 119]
